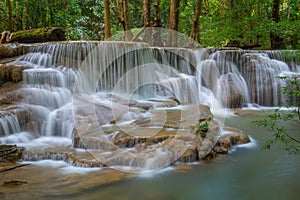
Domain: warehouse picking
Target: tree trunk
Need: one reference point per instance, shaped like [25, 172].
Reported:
[127, 28]
[48, 14]
[24, 14]
[107, 26]
[17, 18]
[277, 42]
[147, 22]
[195, 28]
[121, 12]
[173, 23]
[156, 35]
[10, 16]
[275, 11]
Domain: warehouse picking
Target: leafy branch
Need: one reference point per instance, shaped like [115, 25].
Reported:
[273, 122]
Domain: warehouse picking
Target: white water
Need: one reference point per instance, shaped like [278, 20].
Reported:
[8, 124]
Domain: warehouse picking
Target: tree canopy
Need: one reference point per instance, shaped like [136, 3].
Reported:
[220, 22]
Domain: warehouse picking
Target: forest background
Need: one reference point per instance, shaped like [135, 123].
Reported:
[269, 24]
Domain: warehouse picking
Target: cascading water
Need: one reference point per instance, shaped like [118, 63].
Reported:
[97, 92]
[238, 77]
[8, 124]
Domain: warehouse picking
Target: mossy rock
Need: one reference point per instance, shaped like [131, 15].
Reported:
[11, 73]
[7, 52]
[38, 35]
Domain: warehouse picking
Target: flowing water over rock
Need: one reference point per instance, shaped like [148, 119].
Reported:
[134, 106]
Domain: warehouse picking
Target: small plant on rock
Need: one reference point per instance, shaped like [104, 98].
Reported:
[202, 129]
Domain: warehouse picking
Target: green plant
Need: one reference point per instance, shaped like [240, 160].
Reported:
[202, 129]
[287, 112]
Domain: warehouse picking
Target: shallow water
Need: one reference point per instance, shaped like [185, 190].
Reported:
[246, 173]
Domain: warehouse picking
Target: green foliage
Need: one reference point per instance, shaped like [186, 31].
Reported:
[221, 21]
[275, 121]
[202, 129]
[89, 23]
[36, 32]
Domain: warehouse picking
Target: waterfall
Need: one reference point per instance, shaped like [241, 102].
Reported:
[8, 124]
[249, 76]
[96, 93]
[61, 73]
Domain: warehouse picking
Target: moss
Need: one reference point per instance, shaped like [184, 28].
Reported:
[38, 35]
[28, 36]
[40, 32]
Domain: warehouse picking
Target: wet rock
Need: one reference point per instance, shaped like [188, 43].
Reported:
[8, 51]
[190, 155]
[186, 134]
[236, 138]
[205, 148]
[128, 141]
[226, 142]
[10, 153]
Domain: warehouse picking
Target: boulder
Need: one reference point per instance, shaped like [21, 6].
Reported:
[226, 142]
